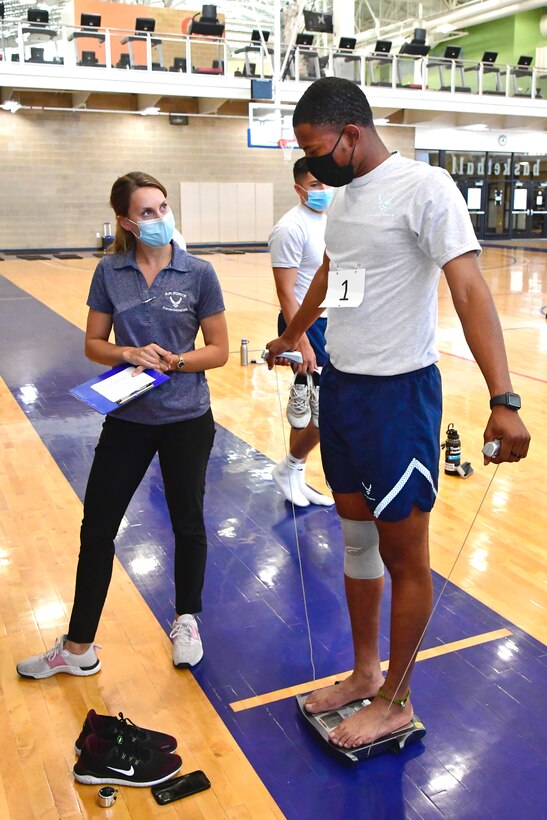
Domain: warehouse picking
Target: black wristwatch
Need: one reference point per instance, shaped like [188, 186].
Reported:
[511, 400]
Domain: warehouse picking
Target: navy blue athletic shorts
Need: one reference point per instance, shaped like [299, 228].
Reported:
[316, 336]
[380, 435]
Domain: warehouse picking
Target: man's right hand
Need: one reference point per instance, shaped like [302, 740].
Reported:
[276, 347]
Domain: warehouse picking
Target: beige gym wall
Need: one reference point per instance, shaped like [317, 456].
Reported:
[57, 168]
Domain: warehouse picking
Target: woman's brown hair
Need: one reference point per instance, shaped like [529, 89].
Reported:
[120, 197]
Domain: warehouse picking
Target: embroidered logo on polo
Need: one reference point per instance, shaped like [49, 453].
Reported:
[177, 301]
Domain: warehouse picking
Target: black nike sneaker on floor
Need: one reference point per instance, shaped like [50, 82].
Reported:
[112, 728]
[107, 761]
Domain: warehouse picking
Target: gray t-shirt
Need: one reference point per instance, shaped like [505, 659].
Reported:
[402, 222]
[298, 241]
[168, 313]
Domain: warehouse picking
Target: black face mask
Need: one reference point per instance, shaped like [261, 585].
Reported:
[326, 170]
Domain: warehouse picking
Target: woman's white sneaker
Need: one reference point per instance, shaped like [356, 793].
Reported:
[187, 646]
[58, 659]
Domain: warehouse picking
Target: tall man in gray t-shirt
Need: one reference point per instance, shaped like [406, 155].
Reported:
[393, 224]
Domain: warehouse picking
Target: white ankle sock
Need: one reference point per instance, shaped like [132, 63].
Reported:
[296, 463]
[311, 495]
[287, 480]
[314, 497]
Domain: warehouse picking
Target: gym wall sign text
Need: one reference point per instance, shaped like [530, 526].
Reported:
[460, 166]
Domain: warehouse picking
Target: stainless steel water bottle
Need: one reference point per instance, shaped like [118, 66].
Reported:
[244, 353]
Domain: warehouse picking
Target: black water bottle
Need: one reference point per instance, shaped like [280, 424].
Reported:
[452, 451]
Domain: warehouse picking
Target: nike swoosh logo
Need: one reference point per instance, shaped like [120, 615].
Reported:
[130, 772]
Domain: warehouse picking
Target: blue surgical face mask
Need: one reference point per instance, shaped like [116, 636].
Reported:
[156, 232]
[320, 199]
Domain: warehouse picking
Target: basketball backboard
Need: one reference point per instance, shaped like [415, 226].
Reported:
[268, 124]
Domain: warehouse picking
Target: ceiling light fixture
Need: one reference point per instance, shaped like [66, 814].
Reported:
[477, 126]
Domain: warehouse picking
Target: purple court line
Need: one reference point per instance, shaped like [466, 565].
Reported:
[252, 298]
[512, 372]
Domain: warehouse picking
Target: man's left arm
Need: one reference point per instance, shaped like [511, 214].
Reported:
[481, 326]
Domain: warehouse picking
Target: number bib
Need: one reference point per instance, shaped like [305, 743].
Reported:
[346, 288]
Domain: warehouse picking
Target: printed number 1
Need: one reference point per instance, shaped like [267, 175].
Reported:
[344, 298]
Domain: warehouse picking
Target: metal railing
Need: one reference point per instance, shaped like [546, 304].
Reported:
[62, 46]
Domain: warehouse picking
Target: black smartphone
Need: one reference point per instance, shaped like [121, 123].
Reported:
[178, 787]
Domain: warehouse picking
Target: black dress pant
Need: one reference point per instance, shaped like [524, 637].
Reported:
[122, 456]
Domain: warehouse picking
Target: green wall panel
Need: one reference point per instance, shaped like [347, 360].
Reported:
[527, 34]
[509, 36]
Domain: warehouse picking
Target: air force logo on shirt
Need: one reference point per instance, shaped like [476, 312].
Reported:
[175, 301]
[384, 207]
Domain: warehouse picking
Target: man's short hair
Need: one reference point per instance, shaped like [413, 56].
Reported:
[300, 169]
[333, 101]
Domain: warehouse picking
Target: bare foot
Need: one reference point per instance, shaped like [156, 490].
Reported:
[354, 687]
[371, 723]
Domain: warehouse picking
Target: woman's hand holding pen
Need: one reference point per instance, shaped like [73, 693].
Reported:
[150, 356]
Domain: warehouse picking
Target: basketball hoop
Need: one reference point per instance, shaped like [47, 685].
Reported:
[287, 147]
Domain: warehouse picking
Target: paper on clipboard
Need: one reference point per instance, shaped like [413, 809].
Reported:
[110, 391]
[122, 385]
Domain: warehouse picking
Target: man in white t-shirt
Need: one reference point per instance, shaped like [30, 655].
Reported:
[179, 239]
[393, 225]
[297, 245]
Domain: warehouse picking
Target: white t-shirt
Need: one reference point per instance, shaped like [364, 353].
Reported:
[298, 241]
[402, 222]
[179, 239]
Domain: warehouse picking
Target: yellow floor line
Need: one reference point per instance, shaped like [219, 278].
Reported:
[434, 652]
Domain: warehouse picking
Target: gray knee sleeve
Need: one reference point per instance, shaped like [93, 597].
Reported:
[362, 558]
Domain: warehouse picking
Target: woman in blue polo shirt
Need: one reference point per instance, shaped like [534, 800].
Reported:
[156, 297]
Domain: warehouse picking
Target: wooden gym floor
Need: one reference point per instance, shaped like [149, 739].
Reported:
[501, 568]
